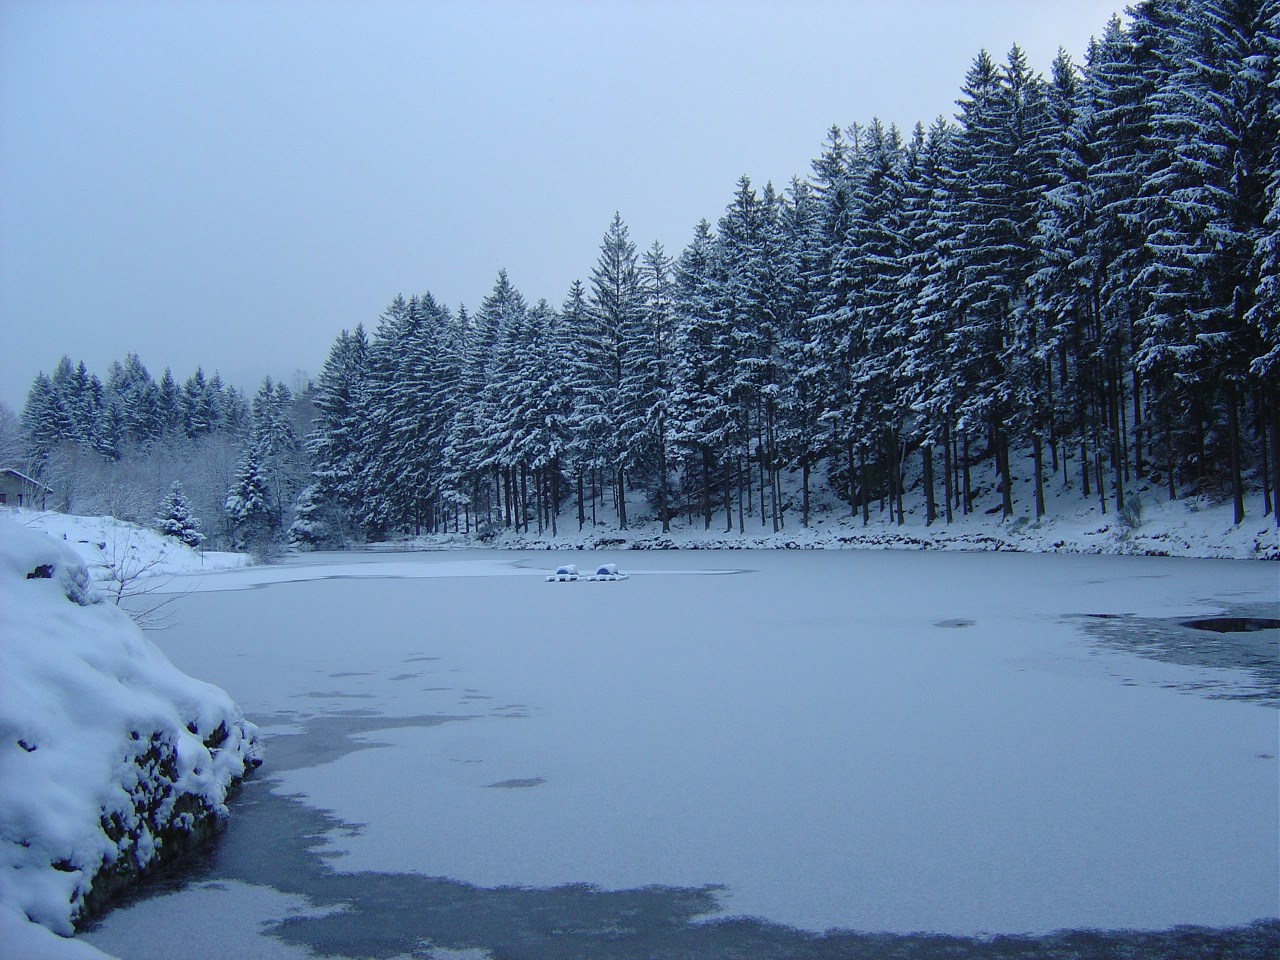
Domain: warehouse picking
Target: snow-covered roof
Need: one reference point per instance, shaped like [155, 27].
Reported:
[23, 477]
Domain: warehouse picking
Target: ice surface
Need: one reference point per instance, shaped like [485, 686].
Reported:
[220, 921]
[809, 734]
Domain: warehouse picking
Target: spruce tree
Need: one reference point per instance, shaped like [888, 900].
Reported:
[174, 518]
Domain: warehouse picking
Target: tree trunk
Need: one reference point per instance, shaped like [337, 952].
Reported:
[1038, 451]
[622, 498]
[664, 496]
[1097, 464]
[1053, 418]
[523, 524]
[706, 487]
[862, 481]
[1006, 474]
[862, 484]
[1264, 443]
[744, 495]
[949, 482]
[1272, 400]
[582, 504]
[1233, 429]
[967, 480]
[804, 495]
[930, 508]
[898, 449]
[728, 500]
[1118, 459]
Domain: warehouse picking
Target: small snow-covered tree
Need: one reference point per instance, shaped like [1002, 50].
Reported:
[174, 518]
[248, 505]
[319, 521]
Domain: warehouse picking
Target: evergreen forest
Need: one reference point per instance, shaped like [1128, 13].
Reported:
[1075, 281]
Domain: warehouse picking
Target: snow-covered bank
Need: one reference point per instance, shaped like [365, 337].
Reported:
[105, 542]
[111, 760]
[1152, 526]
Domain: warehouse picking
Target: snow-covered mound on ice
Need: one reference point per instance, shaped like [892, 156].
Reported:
[111, 759]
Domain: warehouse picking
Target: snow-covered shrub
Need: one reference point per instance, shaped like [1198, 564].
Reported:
[111, 760]
[1129, 517]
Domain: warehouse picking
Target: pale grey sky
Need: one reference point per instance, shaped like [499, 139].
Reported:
[231, 183]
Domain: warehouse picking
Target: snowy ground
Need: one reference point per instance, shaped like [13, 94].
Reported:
[103, 542]
[1152, 526]
[871, 741]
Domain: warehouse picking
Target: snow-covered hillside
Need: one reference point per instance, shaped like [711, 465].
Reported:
[111, 759]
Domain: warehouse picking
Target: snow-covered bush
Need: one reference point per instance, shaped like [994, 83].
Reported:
[111, 759]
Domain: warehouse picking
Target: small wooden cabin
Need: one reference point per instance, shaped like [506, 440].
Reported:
[18, 490]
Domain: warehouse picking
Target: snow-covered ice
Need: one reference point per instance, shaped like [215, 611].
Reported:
[889, 741]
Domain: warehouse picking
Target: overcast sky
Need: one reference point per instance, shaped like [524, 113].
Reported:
[231, 183]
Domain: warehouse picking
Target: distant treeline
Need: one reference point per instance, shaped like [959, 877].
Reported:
[118, 447]
[1076, 281]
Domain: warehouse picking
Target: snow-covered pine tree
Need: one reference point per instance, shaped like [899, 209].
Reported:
[1125, 70]
[1065, 283]
[575, 338]
[174, 518]
[835, 346]
[872, 262]
[926, 300]
[537, 397]
[42, 422]
[1212, 118]
[1264, 315]
[416, 407]
[1004, 152]
[336, 452]
[800, 411]
[169, 405]
[485, 413]
[645, 388]
[131, 389]
[702, 419]
[199, 411]
[279, 458]
[616, 305]
[318, 522]
[250, 513]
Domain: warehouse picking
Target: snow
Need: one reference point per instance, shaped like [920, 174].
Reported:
[100, 540]
[1189, 527]
[874, 740]
[85, 699]
[867, 739]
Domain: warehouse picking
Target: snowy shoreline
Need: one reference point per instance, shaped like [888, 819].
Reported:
[1185, 528]
[112, 761]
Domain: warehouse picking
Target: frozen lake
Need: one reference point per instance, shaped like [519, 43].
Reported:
[871, 741]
